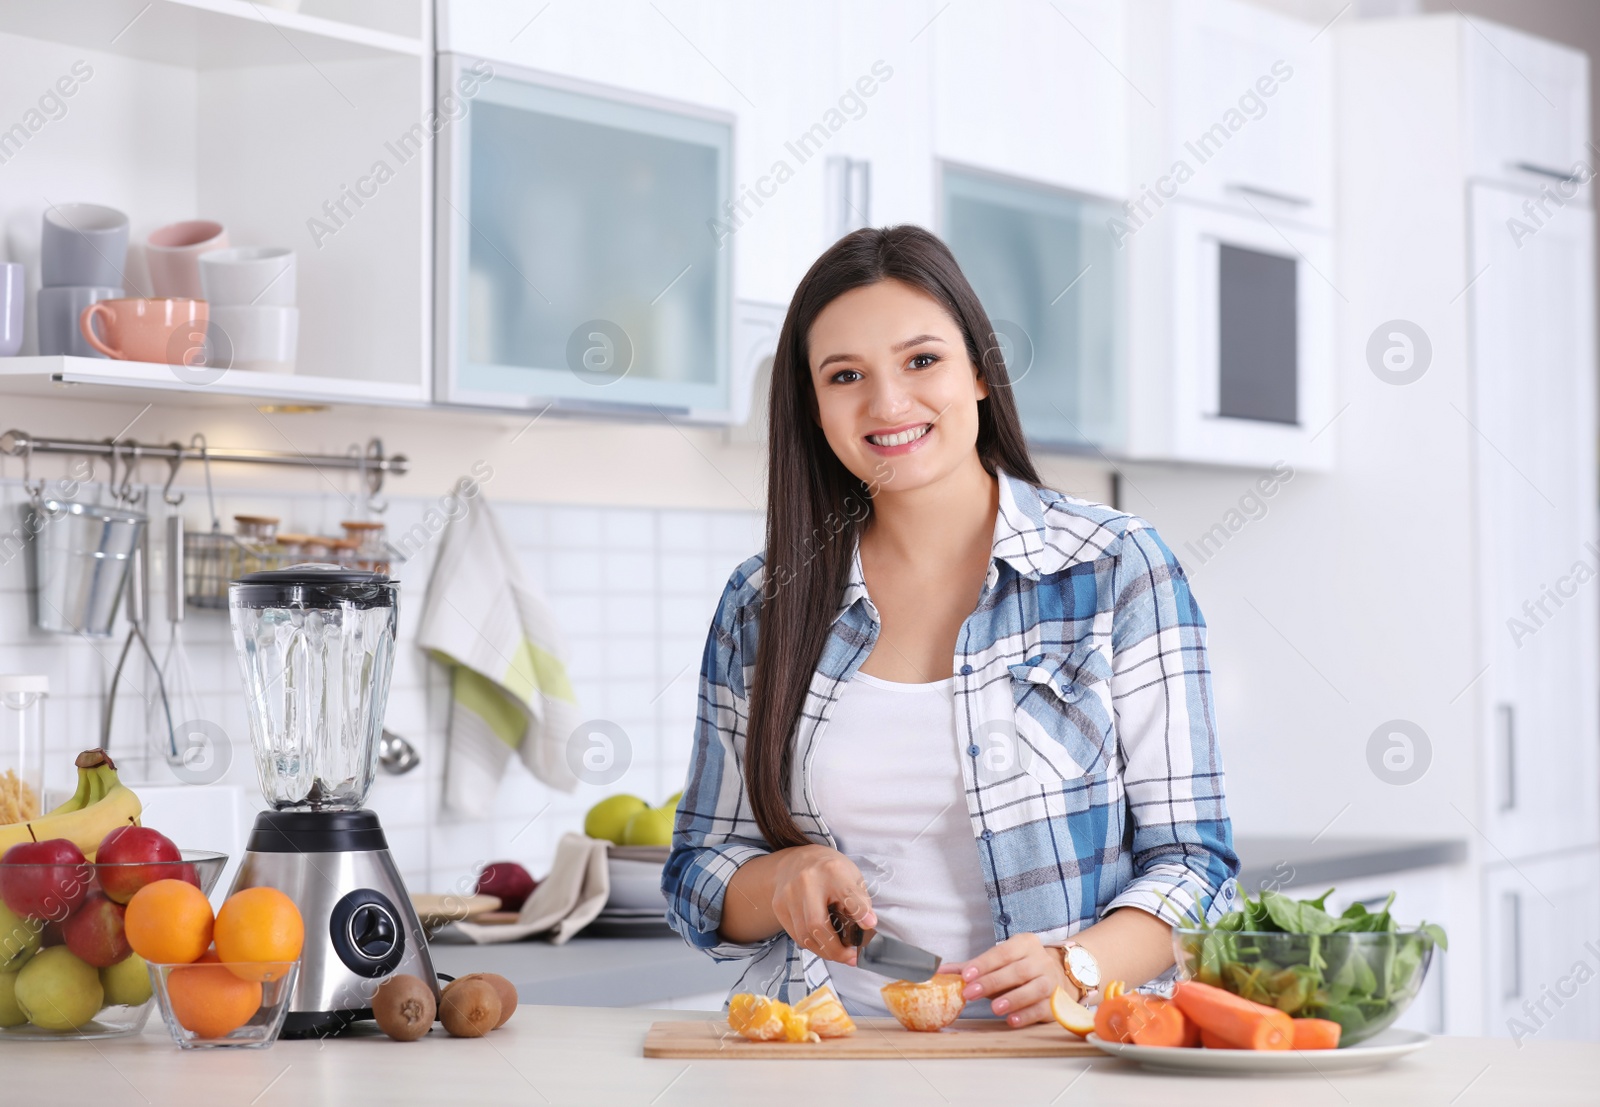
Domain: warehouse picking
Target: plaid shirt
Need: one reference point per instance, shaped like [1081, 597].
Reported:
[1083, 700]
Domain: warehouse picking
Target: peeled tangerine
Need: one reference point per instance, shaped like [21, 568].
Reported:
[817, 1016]
[930, 1005]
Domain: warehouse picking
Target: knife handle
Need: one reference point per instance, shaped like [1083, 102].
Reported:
[849, 931]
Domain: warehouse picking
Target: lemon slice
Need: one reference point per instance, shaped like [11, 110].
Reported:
[1071, 1014]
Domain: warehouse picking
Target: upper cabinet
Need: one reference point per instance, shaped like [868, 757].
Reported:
[579, 248]
[1527, 108]
[1043, 264]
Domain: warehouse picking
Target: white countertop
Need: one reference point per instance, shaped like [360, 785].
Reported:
[592, 1056]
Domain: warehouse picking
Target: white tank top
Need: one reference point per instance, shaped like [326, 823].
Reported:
[886, 774]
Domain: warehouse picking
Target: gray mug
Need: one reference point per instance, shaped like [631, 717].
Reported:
[83, 245]
[59, 309]
[13, 294]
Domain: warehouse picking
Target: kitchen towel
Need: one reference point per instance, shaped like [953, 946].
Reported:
[564, 903]
[509, 686]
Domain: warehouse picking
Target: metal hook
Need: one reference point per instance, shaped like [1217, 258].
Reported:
[111, 477]
[125, 492]
[372, 476]
[34, 488]
[176, 462]
[199, 442]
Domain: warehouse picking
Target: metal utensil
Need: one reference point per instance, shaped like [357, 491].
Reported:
[395, 754]
[882, 954]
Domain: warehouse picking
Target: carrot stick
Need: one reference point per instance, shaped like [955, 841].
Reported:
[1140, 1019]
[1191, 1030]
[1210, 1041]
[1247, 1024]
[1316, 1034]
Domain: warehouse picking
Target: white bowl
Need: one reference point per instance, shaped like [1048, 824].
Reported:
[260, 338]
[257, 276]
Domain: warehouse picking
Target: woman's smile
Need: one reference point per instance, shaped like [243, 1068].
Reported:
[899, 440]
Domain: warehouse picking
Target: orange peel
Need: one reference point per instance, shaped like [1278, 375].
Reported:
[1072, 1015]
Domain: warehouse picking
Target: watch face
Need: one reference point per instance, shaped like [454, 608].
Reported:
[1084, 967]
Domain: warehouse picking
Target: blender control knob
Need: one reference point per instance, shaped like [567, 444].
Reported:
[366, 933]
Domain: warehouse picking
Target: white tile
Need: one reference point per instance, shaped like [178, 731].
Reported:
[578, 614]
[688, 616]
[574, 571]
[629, 657]
[574, 527]
[628, 529]
[684, 574]
[628, 615]
[629, 572]
[685, 531]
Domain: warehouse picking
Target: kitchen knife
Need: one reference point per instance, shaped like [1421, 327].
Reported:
[882, 954]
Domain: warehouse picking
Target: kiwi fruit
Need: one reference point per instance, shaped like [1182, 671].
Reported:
[470, 1007]
[404, 1008]
[503, 988]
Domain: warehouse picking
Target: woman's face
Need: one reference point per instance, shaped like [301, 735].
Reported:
[897, 395]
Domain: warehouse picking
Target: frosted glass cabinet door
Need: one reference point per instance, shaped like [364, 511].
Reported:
[577, 259]
[1044, 265]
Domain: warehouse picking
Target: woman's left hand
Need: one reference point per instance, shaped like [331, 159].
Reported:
[1018, 977]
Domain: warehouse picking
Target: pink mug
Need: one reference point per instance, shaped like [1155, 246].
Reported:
[164, 331]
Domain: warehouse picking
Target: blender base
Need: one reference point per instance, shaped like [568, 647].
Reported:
[359, 922]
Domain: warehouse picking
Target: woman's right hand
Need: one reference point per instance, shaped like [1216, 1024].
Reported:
[807, 880]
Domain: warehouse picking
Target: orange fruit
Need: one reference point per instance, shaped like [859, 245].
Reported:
[757, 1017]
[931, 1005]
[169, 922]
[256, 926]
[1071, 1014]
[825, 1015]
[209, 1000]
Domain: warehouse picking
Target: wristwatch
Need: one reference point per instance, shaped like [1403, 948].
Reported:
[1081, 967]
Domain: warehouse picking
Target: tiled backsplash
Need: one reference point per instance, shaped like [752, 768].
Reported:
[633, 590]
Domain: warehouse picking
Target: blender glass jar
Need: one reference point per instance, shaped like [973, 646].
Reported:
[316, 650]
[22, 700]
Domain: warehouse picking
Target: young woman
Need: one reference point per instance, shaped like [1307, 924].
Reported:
[951, 704]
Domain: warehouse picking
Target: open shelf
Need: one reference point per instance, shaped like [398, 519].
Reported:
[101, 378]
[201, 34]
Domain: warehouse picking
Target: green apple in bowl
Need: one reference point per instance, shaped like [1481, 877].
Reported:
[608, 819]
[650, 827]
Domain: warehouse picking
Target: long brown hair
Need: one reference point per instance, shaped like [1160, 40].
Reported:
[816, 508]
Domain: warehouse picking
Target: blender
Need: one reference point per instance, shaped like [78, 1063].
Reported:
[316, 648]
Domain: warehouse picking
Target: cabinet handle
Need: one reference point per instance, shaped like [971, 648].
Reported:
[1511, 954]
[1506, 737]
[1545, 171]
[1269, 194]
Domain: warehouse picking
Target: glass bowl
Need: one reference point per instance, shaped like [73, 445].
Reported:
[211, 1005]
[61, 986]
[1362, 981]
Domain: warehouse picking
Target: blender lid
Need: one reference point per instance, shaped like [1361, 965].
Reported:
[313, 585]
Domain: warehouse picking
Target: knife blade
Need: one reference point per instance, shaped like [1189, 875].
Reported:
[882, 954]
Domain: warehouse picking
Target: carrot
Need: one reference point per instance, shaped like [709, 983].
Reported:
[1140, 1019]
[1245, 1023]
[1316, 1034]
[1210, 1041]
[1191, 1030]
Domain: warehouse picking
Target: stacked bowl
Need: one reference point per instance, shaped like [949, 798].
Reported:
[254, 323]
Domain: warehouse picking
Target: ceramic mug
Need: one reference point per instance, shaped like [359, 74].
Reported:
[58, 311]
[83, 244]
[260, 337]
[13, 294]
[172, 254]
[253, 275]
[162, 330]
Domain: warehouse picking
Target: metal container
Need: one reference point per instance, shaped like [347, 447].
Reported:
[78, 563]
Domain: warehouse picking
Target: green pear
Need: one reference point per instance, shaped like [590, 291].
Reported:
[19, 939]
[126, 982]
[10, 1013]
[609, 818]
[57, 991]
[672, 801]
[650, 827]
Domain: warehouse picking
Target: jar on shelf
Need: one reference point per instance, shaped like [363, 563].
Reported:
[372, 549]
[257, 550]
[342, 551]
[22, 700]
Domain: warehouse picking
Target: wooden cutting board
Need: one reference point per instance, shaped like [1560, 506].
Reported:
[706, 1039]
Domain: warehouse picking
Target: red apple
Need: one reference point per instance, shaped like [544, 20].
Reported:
[51, 936]
[508, 880]
[94, 932]
[44, 880]
[129, 858]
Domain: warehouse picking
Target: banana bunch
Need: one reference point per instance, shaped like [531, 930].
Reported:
[100, 805]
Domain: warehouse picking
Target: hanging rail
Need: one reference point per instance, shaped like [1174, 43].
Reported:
[372, 462]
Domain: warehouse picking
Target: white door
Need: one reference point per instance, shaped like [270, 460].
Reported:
[1542, 950]
[1532, 312]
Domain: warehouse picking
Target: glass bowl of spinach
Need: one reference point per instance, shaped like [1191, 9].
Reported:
[1361, 969]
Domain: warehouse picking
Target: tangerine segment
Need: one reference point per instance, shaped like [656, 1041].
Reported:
[209, 1000]
[1072, 1015]
[825, 1015]
[257, 927]
[929, 1005]
[758, 1018]
[169, 922]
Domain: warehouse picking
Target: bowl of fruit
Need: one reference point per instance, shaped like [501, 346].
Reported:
[67, 968]
[223, 980]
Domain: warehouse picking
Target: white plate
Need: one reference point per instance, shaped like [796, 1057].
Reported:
[1373, 1053]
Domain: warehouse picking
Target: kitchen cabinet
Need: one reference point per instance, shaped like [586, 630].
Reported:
[1528, 106]
[1544, 954]
[1042, 262]
[304, 129]
[1533, 370]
